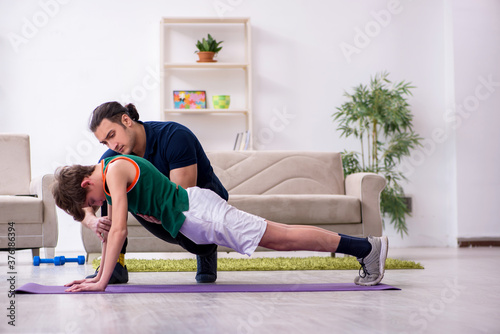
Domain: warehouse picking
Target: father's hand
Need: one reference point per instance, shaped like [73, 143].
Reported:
[100, 226]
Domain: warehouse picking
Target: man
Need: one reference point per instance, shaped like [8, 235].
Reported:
[176, 152]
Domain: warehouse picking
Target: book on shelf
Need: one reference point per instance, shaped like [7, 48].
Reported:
[247, 140]
[237, 142]
[242, 141]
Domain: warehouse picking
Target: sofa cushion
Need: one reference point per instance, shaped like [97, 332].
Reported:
[21, 209]
[15, 166]
[279, 172]
[301, 209]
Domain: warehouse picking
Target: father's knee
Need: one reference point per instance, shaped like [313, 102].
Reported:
[190, 246]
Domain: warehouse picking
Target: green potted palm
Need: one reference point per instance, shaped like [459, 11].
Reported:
[379, 116]
[207, 49]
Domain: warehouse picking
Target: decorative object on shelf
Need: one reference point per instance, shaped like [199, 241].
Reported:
[229, 76]
[380, 117]
[221, 101]
[242, 141]
[208, 49]
[190, 99]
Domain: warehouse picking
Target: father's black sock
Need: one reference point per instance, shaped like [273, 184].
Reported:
[358, 247]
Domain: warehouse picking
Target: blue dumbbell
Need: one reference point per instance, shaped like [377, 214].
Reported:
[56, 261]
[80, 259]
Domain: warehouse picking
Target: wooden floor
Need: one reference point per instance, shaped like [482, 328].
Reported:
[457, 292]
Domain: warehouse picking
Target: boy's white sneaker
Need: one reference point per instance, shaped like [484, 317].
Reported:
[373, 265]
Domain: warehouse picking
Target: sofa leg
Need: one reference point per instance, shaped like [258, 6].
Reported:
[35, 252]
[50, 252]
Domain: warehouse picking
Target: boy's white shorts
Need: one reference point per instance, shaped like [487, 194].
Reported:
[210, 220]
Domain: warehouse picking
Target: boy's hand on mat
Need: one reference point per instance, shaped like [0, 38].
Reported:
[80, 281]
[150, 219]
[100, 226]
[87, 286]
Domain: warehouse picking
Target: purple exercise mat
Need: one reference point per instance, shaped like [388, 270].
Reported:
[33, 288]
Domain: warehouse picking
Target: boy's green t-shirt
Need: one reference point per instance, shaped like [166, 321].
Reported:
[152, 194]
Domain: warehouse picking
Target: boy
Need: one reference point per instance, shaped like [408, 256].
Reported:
[176, 152]
[131, 183]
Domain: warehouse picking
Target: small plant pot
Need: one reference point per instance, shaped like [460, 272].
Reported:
[206, 57]
[221, 101]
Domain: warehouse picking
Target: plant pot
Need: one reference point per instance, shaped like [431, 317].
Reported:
[206, 57]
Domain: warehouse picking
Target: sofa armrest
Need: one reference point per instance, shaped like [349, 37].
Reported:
[40, 186]
[367, 188]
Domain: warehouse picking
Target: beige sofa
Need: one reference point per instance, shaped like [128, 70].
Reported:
[27, 207]
[306, 188]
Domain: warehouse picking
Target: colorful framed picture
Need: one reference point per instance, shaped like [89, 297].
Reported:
[190, 99]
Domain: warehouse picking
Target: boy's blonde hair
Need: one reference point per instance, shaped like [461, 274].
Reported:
[67, 189]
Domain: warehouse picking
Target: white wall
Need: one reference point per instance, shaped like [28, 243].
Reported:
[477, 76]
[60, 59]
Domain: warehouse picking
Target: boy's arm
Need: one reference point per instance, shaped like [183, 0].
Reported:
[119, 175]
[99, 225]
[103, 261]
[117, 180]
[76, 285]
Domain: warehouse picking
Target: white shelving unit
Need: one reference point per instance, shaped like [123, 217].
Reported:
[230, 75]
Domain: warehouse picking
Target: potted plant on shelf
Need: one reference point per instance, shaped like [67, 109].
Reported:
[207, 49]
[380, 118]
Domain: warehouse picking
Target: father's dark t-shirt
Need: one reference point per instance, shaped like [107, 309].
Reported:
[171, 145]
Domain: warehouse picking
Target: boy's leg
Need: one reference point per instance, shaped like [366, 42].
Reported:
[206, 255]
[283, 237]
[120, 273]
[212, 220]
[371, 252]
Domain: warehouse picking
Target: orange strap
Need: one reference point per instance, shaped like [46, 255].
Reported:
[137, 173]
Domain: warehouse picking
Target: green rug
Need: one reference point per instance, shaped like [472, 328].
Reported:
[260, 264]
